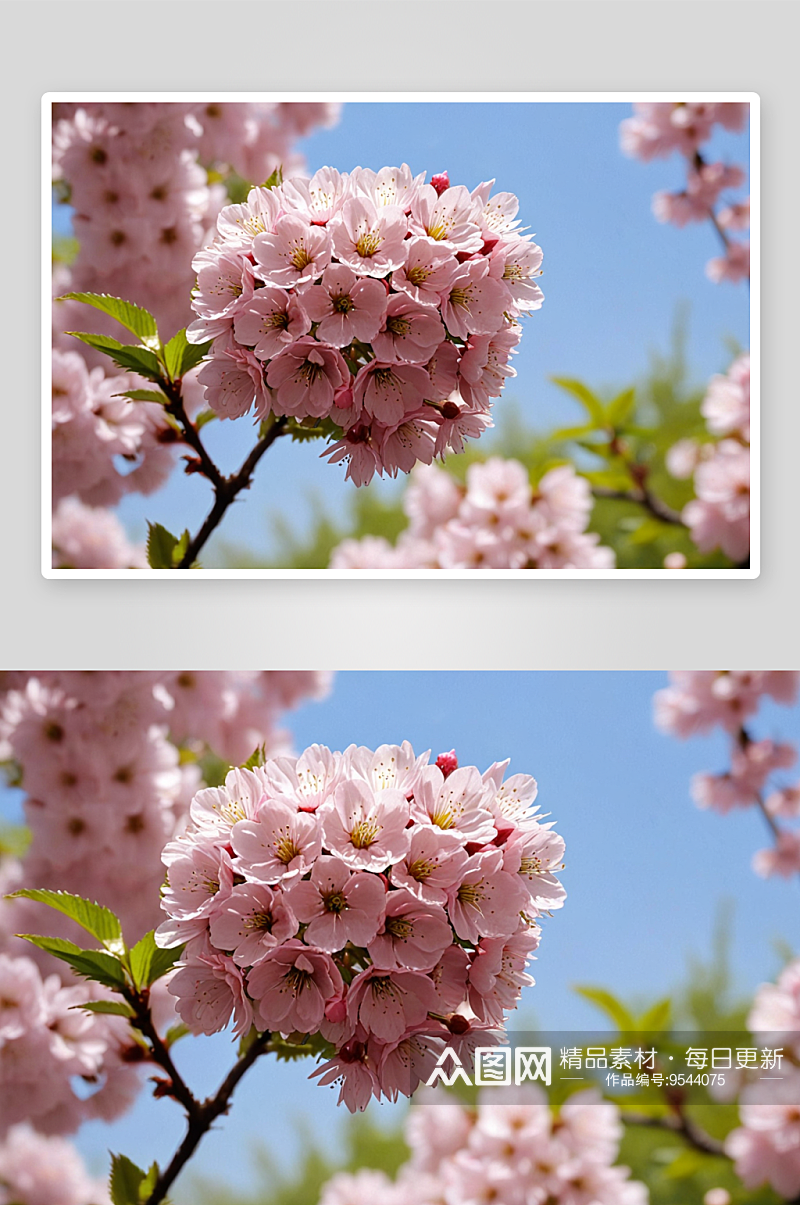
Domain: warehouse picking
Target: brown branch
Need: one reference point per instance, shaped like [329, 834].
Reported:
[200, 1121]
[678, 1123]
[159, 1051]
[226, 489]
[642, 497]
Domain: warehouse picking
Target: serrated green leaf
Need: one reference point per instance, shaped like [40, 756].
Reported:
[621, 408]
[138, 321]
[160, 545]
[125, 355]
[193, 354]
[179, 551]
[316, 429]
[591, 403]
[114, 1008]
[657, 1018]
[275, 178]
[144, 395]
[256, 758]
[610, 1005]
[173, 353]
[91, 964]
[94, 918]
[149, 1182]
[125, 1181]
[205, 416]
[149, 962]
[180, 355]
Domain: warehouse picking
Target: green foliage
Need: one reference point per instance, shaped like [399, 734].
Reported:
[274, 179]
[148, 962]
[125, 355]
[608, 1003]
[138, 321]
[304, 430]
[164, 550]
[90, 964]
[145, 395]
[94, 918]
[257, 758]
[114, 1008]
[180, 355]
[129, 1184]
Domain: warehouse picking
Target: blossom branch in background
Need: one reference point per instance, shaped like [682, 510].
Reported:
[696, 702]
[657, 130]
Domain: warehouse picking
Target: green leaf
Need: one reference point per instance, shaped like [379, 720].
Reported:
[145, 395]
[591, 403]
[94, 918]
[180, 355]
[115, 1008]
[91, 964]
[193, 354]
[564, 433]
[205, 416]
[138, 321]
[126, 1181]
[275, 179]
[316, 429]
[148, 1183]
[149, 962]
[160, 546]
[175, 1033]
[621, 408]
[179, 551]
[657, 1018]
[125, 355]
[256, 758]
[610, 1005]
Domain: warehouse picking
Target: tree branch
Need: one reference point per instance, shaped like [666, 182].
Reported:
[678, 1123]
[199, 1122]
[159, 1051]
[642, 497]
[226, 489]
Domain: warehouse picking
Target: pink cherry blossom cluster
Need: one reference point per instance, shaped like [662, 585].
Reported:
[385, 904]
[48, 1045]
[100, 765]
[497, 521]
[90, 537]
[94, 429]
[766, 1147]
[35, 1170]
[719, 517]
[656, 131]
[696, 702]
[137, 175]
[372, 300]
[512, 1148]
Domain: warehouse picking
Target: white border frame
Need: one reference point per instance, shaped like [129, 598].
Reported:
[750, 98]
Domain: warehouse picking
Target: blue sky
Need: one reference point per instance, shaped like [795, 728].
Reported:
[613, 276]
[645, 869]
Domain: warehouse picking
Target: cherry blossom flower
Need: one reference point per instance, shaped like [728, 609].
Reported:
[291, 985]
[295, 253]
[280, 844]
[412, 934]
[366, 828]
[369, 237]
[338, 905]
